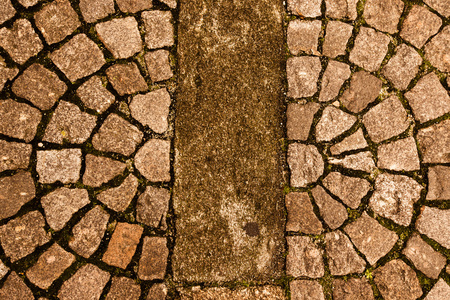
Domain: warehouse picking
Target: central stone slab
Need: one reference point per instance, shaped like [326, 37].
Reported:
[228, 196]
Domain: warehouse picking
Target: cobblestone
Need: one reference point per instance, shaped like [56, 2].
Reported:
[158, 29]
[94, 10]
[336, 38]
[300, 214]
[342, 257]
[59, 165]
[158, 65]
[15, 191]
[333, 78]
[119, 198]
[441, 7]
[441, 290]
[19, 120]
[267, 292]
[3, 270]
[306, 164]
[434, 142]
[436, 51]
[419, 26]
[434, 223]
[153, 160]
[28, 3]
[370, 49]
[333, 123]
[438, 179]
[309, 8]
[364, 89]
[303, 36]
[302, 75]
[352, 289]
[306, 290]
[133, 6]
[354, 141]
[362, 161]
[152, 207]
[126, 79]
[123, 288]
[304, 258]
[299, 120]
[332, 212]
[15, 289]
[341, 9]
[94, 95]
[7, 11]
[399, 155]
[383, 14]
[158, 291]
[100, 170]
[403, 66]
[153, 262]
[349, 189]
[14, 155]
[6, 74]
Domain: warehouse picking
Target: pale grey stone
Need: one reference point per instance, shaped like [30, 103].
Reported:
[123, 288]
[435, 223]
[93, 10]
[354, 141]
[333, 123]
[3, 270]
[306, 164]
[336, 38]
[303, 36]
[441, 290]
[342, 257]
[7, 11]
[308, 8]
[349, 189]
[94, 94]
[59, 165]
[442, 7]
[332, 212]
[153, 262]
[15, 191]
[302, 75]
[100, 170]
[362, 161]
[403, 66]
[119, 198]
[370, 49]
[333, 78]
[383, 14]
[15, 289]
[399, 155]
[299, 120]
[438, 49]
[153, 160]
[126, 78]
[434, 142]
[420, 25]
[438, 179]
[14, 155]
[133, 6]
[6, 74]
[306, 290]
[304, 258]
[152, 207]
[159, 31]
[364, 89]
[341, 9]
[352, 289]
[158, 65]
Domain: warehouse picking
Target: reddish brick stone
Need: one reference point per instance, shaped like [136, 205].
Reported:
[122, 245]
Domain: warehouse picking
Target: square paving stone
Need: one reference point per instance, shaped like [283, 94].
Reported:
[333, 123]
[123, 288]
[441, 290]
[352, 289]
[100, 170]
[364, 89]
[120, 36]
[15, 191]
[158, 65]
[21, 41]
[435, 223]
[303, 36]
[306, 290]
[7, 11]
[21, 236]
[19, 120]
[370, 49]
[438, 49]
[306, 164]
[304, 258]
[349, 189]
[441, 7]
[56, 20]
[362, 161]
[69, 123]
[159, 30]
[342, 257]
[300, 214]
[119, 198]
[399, 155]
[333, 78]
[419, 25]
[302, 75]
[40, 86]
[434, 143]
[6, 74]
[126, 78]
[15, 289]
[438, 179]
[153, 262]
[14, 155]
[341, 9]
[87, 283]
[94, 10]
[153, 160]
[354, 141]
[133, 6]
[383, 14]
[50, 266]
[308, 8]
[299, 120]
[403, 66]
[94, 94]
[158, 291]
[332, 212]
[336, 38]
[152, 207]
[59, 165]
[78, 58]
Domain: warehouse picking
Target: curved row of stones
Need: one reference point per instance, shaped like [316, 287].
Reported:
[85, 138]
[369, 136]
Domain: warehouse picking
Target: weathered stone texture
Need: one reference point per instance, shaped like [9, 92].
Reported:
[370, 49]
[435, 223]
[123, 288]
[441, 7]
[399, 155]
[306, 290]
[28, 3]
[341, 9]
[436, 51]
[440, 291]
[352, 289]
[15, 191]
[14, 155]
[18, 120]
[362, 161]
[383, 14]
[303, 36]
[152, 207]
[302, 75]
[306, 164]
[301, 216]
[267, 292]
[170, 3]
[333, 78]
[118, 198]
[159, 30]
[3, 270]
[364, 89]
[299, 120]
[403, 66]
[93, 10]
[336, 38]
[6, 73]
[419, 25]
[100, 170]
[153, 160]
[126, 79]
[158, 291]
[310, 8]
[434, 142]
[59, 165]
[7, 11]
[333, 212]
[333, 123]
[438, 183]
[304, 258]
[15, 289]
[349, 189]
[158, 65]
[94, 95]
[133, 6]
[153, 262]
[122, 245]
[342, 257]
[354, 141]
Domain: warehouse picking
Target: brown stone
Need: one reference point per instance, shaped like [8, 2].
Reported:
[15, 289]
[7, 11]
[349, 189]
[300, 214]
[354, 141]
[56, 20]
[59, 165]
[3, 270]
[119, 198]
[6, 74]
[419, 25]
[88, 233]
[122, 245]
[342, 257]
[126, 78]
[333, 123]
[309, 8]
[304, 258]
[28, 3]
[336, 38]
[267, 292]
[299, 120]
[93, 10]
[370, 238]
[362, 161]
[403, 66]
[424, 257]
[441, 7]
[352, 289]
[159, 30]
[383, 14]
[370, 49]
[385, 120]
[303, 36]
[153, 160]
[397, 281]
[399, 155]
[332, 212]
[133, 6]
[434, 142]
[158, 291]
[341, 9]
[435, 223]
[50, 266]
[333, 78]
[306, 164]
[158, 65]
[440, 291]
[152, 207]
[120, 36]
[302, 75]
[117, 135]
[87, 283]
[364, 89]
[438, 49]
[94, 95]
[438, 179]
[21, 236]
[153, 262]
[100, 170]
[78, 58]
[14, 155]
[21, 42]
[18, 120]
[306, 290]
[170, 3]
[123, 288]
[15, 191]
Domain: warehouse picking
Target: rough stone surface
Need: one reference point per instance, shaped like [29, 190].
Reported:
[28, 3]
[50, 266]
[342, 257]
[301, 217]
[119, 198]
[170, 3]
[120, 36]
[370, 49]
[7, 11]
[419, 25]
[133, 6]
[440, 291]
[435, 223]
[158, 291]
[56, 20]
[333, 212]
[424, 257]
[153, 262]
[362, 161]
[299, 120]
[6, 73]
[100, 170]
[3, 270]
[14, 155]
[40, 86]
[438, 179]
[126, 78]
[94, 95]
[438, 49]
[434, 142]
[303, 36]
[21, 41]
[341, 9]
[15, 289]
[158, 28]
[385, 120]
[428, 98]
[306, 290]
[371, 239]
[383, 14]
[87, 283]
[333, 78]
[88, 233]
[117, 135]
[403, 66]
[310, 9]
[352, 289]
[397, 281]
[93, 10]
[152, 207]
[399, 155]
[59, 165]
[302, 75]
[78, 58]
[304, 258]
[21, 236]
[267, 292]
[336, 38]
[61, 204]
[306, 164]
[349, 189]
[333, 123]
[123, 288]
[153, 160]
[364, 89]
[122, 245]
[18, 120]
[441, 7]
[158, 65]
[354, 141]
[15, 191]
[152, 109]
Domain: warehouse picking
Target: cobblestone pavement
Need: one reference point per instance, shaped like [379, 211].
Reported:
[87, 108]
